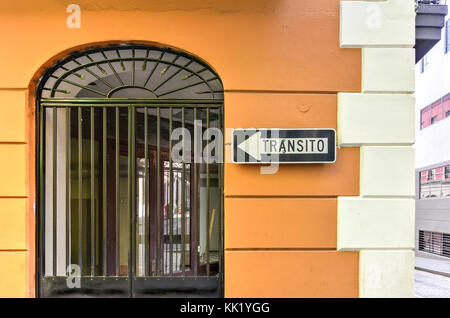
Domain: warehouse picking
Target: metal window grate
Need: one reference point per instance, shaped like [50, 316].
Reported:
[111, 198]
[132, 70]
[435, 243]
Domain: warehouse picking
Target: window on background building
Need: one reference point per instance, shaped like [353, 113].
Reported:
[431, 176]
[437, 174]
[437, 111]
[423, 64]
[425, 115]
[424, 186]
[434, 243]
[437, 243]
[446, 106]
[424, 241]
[435, 183]
[446, 245]
[423, 176]
[447, 36]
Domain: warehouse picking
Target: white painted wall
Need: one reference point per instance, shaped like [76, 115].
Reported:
[433, 143]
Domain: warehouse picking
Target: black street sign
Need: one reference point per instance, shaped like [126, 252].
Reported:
[284, 145]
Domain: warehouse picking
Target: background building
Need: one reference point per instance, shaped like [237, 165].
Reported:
[433, 150]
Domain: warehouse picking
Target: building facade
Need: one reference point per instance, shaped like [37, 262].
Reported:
[433, 150]
[86, 179]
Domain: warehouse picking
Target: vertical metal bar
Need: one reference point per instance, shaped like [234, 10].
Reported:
[194, 211]
[104, 193]
[41, 211]
[220, 180]
[146, 208]
[130, 261]
[167, 222]
[68, 186]
[133, 193]
[177, 219]
[117, 193]
[208, 203]
[80, 189]
[158, 192]
[131, 196]
[170, 214]
[133, 71]
[54, 184]
[166, 225]
[92, 195]
[183, 198]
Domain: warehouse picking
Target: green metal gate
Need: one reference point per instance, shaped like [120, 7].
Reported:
[117, 215]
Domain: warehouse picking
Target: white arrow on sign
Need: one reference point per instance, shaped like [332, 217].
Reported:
[251, 145]
[255, 145]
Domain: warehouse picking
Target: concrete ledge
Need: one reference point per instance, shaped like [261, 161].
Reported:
[434, 266]
[423, 269]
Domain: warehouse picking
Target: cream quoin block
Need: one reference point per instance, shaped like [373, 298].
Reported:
[375, 223]
[380, 120]
[365, 119]
[388, 70]
[377, 23]
[387, 171]
[386, 273]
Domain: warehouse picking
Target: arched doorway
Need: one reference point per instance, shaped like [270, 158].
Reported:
[118, 214]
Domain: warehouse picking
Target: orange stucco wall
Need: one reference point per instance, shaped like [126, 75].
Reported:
[281, 66]
[280, 229]
[288, 273]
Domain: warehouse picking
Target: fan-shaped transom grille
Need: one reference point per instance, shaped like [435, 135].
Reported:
[132, 71]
